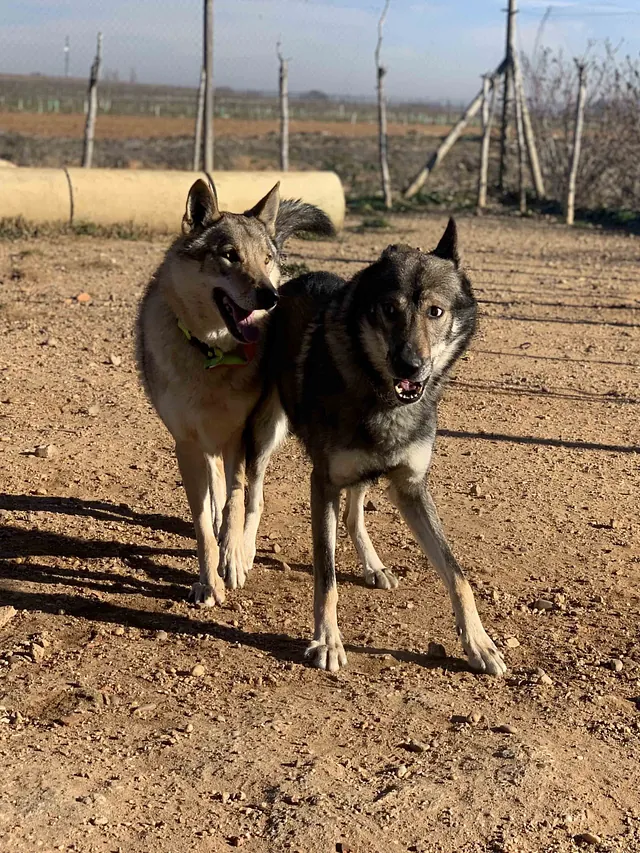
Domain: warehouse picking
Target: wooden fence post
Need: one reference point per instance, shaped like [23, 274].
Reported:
[92, 110]
[208, 86]
[532, 151]
[509, 88]
[283, 86]
[577, 140]
[488, 110]
[382, 116]
[522, 190]
[197, 141]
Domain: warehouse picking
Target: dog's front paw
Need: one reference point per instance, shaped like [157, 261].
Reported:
[233, 566]
[326, 654]
[204, 595]
[380, 578]
[482, 652]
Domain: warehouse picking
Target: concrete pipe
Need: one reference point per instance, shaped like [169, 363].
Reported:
[154, 199]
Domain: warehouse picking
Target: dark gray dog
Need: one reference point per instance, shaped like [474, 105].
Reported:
[359, 368]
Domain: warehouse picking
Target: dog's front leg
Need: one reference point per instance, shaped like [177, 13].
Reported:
[418, 510]
[232, 557]
[265, 431]
[326, 651]
[217, 490]
[209, 590]
[375, 573]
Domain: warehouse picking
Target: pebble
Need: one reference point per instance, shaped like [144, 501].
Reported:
[83, 298]
[512, 643]
[161, 635]
[415, 746]
[6, 615]
[475, 490]
[588, 838]
[276, 548]
[37, 652]
[115, 360]
[286, 567]
[93, 411]
[542, 604]
[545, 679]
[45, 451]
[402, 771]
[474, 718]
[506, 729]
[118, 631]
[436, 650]
[198, 670]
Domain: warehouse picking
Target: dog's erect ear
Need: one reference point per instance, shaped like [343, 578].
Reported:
[202, 207]
[447, 248]
[266, 210]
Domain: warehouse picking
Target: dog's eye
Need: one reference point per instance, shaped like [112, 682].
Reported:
[268, 259]
[230, 254]
[389, 310]
[435, 311]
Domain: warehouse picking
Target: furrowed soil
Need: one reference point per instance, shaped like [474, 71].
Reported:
[110, 742]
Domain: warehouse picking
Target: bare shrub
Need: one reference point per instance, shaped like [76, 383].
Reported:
[609, 169]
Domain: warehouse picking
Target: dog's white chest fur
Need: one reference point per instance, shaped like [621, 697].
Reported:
[347, 467]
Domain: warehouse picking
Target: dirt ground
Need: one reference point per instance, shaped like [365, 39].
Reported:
[109, 742]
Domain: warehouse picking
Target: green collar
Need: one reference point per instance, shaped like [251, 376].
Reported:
[214, 356]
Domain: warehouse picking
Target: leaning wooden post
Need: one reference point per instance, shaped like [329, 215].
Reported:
[522, 190]
[208, 86]
[532, 150]
[197, 141]
[382, 116]
[92, 111]
[577, 140]
[284, 110]
[488, 110]
[445, 146]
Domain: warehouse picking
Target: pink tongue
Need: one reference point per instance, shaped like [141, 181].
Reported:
[250, 332]
[407, 385]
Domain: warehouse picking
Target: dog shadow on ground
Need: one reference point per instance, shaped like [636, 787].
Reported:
[148, 578]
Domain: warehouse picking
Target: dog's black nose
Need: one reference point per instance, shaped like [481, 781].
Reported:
[266, 297]
[408, 363]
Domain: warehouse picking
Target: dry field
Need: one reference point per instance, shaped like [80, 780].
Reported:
[71, 126]
[109, 742]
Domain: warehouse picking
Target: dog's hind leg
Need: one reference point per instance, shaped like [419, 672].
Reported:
[326, 650]
[217, 490]
[418, 510]
[209, 590]
[375, 573]
[232, 558]
[265, 432]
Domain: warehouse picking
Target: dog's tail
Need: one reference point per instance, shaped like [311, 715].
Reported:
[297, 217]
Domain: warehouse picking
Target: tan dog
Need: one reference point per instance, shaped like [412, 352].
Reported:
[199, 347]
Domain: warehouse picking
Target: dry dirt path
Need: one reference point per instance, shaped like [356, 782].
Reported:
[109, 743]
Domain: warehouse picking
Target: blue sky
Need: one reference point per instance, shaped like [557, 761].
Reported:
[435, 50]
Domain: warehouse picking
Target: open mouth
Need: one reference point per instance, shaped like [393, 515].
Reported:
[408, 391]
[239, 322]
